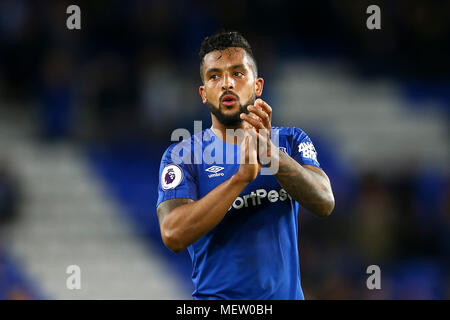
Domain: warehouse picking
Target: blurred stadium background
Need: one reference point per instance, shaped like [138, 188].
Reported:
[85, 116]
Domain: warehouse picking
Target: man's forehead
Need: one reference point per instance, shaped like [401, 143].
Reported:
[227, 56]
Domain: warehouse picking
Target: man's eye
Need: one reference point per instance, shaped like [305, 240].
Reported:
[238, 73]
[214, 76]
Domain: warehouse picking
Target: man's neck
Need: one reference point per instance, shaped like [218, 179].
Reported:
[220, 130]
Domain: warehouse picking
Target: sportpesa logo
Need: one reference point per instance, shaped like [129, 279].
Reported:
[254, 198]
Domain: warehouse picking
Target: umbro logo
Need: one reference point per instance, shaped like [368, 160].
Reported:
[215, 171]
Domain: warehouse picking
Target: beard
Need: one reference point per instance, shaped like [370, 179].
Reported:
[231, 120]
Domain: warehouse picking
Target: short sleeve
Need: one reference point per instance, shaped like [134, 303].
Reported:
[302, 149]
[177, 179]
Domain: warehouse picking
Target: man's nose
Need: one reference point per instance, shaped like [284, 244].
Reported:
[228, 82]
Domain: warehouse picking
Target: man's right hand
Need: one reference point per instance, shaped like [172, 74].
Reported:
[249, 165]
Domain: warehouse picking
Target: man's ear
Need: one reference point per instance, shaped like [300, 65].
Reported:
[259, 84]
[202, 92]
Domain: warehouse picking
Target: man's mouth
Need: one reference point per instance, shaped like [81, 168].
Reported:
[229, 100]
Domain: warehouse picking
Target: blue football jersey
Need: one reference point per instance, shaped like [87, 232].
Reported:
[253, 252]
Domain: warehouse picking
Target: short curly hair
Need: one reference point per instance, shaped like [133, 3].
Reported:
[222, 40]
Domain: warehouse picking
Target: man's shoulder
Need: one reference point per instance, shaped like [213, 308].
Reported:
[189, 141]
[288, 131]
[185, 150]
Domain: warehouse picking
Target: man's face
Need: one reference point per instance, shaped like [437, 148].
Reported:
[230, 84]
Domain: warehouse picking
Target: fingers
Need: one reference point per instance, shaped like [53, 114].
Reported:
[246, 125]
[247, 149]
[253, 120]
[263, 111]
[244, 150]
[263, 116]
[264, 148]
[249, 146]
[261, 130]
[260, 137]
[264, 106]
[253, 146]
[260, 115]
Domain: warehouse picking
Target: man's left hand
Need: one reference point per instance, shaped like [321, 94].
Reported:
[260, 118]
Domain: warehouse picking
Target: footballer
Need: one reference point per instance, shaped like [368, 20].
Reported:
[240, 226]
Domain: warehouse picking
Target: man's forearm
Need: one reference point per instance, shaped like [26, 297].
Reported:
[310, 189]
[189, 222]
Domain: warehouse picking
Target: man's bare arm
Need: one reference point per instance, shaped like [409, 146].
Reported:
[307, 184]
[183, 221]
